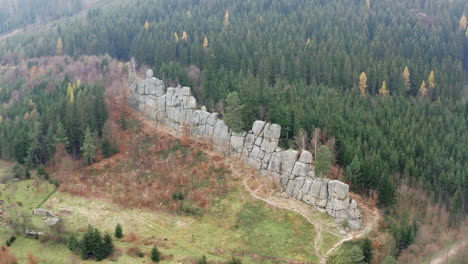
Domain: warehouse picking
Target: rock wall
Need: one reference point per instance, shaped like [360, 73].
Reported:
[176, 107]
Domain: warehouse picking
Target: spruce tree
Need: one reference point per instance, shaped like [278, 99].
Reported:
[367, 249]
[233, 115]
[73, 243]
[456, 208]
[118, 231]
[155, 254]
[89, 148]
[323, 161]
[108, 245]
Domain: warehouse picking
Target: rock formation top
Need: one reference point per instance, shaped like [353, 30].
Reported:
[177, 108]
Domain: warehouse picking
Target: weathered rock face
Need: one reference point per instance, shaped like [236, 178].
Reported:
[177, 108]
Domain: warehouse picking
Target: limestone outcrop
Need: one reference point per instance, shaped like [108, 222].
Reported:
[177, 108]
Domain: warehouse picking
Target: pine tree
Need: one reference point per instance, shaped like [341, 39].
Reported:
[61, 135]
[59, 47]
[108, 246]
[323, 161]
[406, 78]
[89, 148]
[147, 25]
[456, 207]
[205, 43]
[383, 90]
[367, 250]
[118, 231]
[233, 115]
[363, 83]
[155, 254]
[423, 90]
[73, 243]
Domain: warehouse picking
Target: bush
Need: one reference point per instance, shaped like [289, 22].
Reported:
[8, 243]
[73, 244]
[12, 239]
[178, 196]
[118, 231]
[202, 260]
[235, 261]
[155, 254]
[192, 209]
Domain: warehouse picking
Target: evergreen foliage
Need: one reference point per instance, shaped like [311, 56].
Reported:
[155, 254]
[118, 231]
[233, 115]
[323, 162]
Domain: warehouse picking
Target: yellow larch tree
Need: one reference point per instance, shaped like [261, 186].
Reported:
[147, 25]
[368, 4]
[71, 93]
[466, 34]
[184, 36]
[226, 18]
[363, 83]
[176, 37]
[206, 44]
[406, 78]
[59, 47]
[308, 41]
[463, 23]
[383, 90]
[432, 81]
[423, 90]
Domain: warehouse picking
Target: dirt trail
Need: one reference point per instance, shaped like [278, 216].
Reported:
[372, 216]
[451, 252]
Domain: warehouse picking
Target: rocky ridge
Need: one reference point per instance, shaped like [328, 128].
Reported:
[177, 108]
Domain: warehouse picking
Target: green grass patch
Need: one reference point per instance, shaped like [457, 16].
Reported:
[26, 198]
[328, 240]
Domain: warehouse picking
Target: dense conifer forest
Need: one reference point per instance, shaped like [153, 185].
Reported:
[299, 64]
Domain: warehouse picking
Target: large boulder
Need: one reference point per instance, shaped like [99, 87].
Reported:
[221, 134]
[338, 189]
[288, 159]
[257, 127]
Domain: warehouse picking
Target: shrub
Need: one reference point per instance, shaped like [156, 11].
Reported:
[235, 261]
[12, 239]
[134, 251]
[192, 209]
[155, 254]
[118, 231]
[73, 244]
[202, 260]
[8, 243]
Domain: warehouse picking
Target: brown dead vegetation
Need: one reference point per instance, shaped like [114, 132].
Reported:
[153, 170]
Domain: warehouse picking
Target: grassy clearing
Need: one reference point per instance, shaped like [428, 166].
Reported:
[236, 225]
[24, 195]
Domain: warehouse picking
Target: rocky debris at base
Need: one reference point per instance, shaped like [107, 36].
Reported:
[177, 108]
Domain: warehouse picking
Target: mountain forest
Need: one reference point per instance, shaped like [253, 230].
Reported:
[383, 85]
